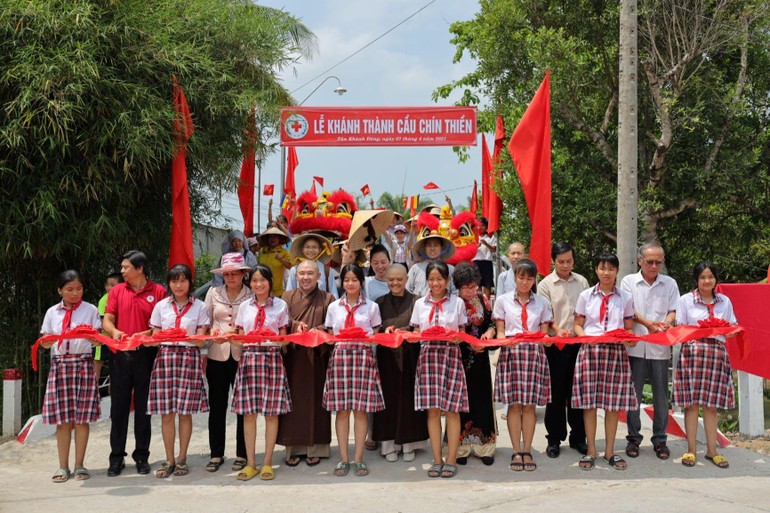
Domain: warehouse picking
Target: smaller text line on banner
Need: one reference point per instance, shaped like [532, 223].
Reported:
[378, 126]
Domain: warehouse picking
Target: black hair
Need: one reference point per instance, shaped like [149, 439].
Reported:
[526, 267]
[607, 258]
[176, 272]
[263, 270]
[702, 266]
[378, 248]
[484, 221]
[561, 247]
[356, 270]
[66, 277]
[113, 274]
[437, 265]
[465, 274]
[137, 259]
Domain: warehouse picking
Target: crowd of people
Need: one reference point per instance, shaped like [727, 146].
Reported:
[396, 397]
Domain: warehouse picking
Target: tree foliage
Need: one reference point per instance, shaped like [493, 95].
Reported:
[86, 129]
[703, 138]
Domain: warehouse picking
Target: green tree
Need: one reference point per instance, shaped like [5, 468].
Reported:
[85, 135]
[703, 139]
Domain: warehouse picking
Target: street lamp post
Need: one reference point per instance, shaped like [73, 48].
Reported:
[339, 90]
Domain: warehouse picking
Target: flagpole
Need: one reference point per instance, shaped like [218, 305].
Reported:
[259, 196]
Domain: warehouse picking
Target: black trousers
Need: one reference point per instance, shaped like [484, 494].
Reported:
[558, 412]
[130, 377]
[221, 377]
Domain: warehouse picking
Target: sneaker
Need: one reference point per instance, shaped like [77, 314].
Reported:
[392, 456]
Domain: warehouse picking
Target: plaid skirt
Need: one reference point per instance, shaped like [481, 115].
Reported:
[261, 385]
[703, 376]
[440, 381]
[176, 382]
[523, 375]
[603, 379]
[353, 380]
[72, 392]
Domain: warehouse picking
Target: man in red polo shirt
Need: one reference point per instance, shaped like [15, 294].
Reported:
[129, 306]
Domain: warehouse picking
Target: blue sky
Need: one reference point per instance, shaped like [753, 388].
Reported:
[401, 69]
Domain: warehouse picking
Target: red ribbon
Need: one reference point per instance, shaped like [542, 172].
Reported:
[65, 324]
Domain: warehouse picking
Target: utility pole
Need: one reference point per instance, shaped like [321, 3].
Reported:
[628, 195]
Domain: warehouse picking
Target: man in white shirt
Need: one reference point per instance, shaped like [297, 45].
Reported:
[505, 281]
[655, 301]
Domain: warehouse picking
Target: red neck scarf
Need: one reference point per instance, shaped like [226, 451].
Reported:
[259, 319]
[438, 307]
[710, 306]
[605, 304]
[350, 320]
[65, 323]
[180, 314]
[524, 326]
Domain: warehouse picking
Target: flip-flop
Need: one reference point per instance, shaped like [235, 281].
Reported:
[688, 460]
[181, 469]
[247, 473]
[81, 474]
[293, 461]
[719, 460]
[342, 469]
[267, 473]
[61, 476]
[312, 461]
[615, 461]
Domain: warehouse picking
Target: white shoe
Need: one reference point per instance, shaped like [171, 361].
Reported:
[392, 456]
[409, 456]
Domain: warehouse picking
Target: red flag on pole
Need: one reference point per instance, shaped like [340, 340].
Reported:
[246, 183]
[530, 148]
[430, 185]
[319, 179]
[181, 246]
[474, 198]
[289, 188]
[313, 190]
[495, 204]
[268, 190]
[365, 190]
[488, 168]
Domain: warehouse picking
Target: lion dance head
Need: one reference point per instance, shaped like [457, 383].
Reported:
[460, 229]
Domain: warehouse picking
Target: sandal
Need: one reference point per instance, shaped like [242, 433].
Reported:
[238, 464]
[213, 465]
[448, 471]
[267, 473]
[342, 469]
[181, 469]
[662, 451]
[312, 461]
[719, 460]
[370, 445]
[587, 462]
[616, 462]
[248, 473]
[517, 465]
[293, 461]
[81, 474]
[632, 449]
[435, 470]
[529, 466]
[165, 470]
[61, 476]
[688, 460]
[361, 469]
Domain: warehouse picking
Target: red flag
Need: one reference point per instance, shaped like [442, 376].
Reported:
[474, 198]
[181, 246]
[268, 190]
[365, 190]
[494, 205]
[430, 185]
[289, 189]
[246, 183]
[530, 149]
[312, 189]
[319, 179]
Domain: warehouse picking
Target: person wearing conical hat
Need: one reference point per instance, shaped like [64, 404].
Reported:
[316, 248]
[430, 247]
[274, 255]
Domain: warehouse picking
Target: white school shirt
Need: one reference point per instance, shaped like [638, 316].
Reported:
[691, 309]
[417, 284]
[329, 286]
[375, 288]
[86, 314]
[619, 307]
[452, 315]
[276, 316]
[367, 316]
[164, 317]
[484, 253]
[652, 302]
[508, 309]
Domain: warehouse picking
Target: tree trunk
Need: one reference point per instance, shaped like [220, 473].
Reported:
[627, 140]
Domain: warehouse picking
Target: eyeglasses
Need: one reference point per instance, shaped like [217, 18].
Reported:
[653, 262]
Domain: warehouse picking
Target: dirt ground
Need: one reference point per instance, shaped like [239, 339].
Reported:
[760, 444]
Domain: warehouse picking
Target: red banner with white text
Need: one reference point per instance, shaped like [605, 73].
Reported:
[378, 126]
